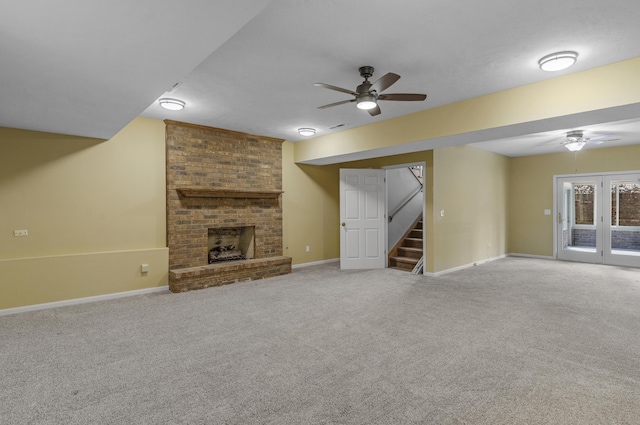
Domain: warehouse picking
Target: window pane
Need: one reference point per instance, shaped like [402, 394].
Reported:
[584, 197]
[625, 197]
[629, 204]
[614, 204]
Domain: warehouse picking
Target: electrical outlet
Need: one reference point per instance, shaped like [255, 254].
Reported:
[144, 268]
[307, 248]
[22, 232]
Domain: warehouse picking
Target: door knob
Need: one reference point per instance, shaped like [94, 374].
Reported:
[344, 224]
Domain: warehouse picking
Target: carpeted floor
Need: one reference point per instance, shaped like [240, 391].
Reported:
[515, 341]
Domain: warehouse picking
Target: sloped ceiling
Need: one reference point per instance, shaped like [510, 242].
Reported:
[88, 68]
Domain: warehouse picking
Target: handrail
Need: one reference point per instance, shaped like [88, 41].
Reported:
[409, 199]
[414, 175]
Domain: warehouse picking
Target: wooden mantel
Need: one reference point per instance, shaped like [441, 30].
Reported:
[204, 192]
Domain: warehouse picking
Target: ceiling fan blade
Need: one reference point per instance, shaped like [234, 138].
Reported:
[342, 102]
[340, 89]
[599, 141]
[600, 137]
[374, 111]
[402, 96]
[384, 82]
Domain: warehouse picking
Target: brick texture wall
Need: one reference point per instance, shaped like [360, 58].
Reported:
[213, 158]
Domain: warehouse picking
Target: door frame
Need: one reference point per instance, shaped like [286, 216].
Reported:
[606, 177]
[596, 255]
[423, 164]
[619, 257]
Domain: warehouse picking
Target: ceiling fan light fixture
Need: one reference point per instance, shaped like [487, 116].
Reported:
[558, 61]
[575, 146]
[305, 131]
[171, 104]
[366, 101]
[575, 140]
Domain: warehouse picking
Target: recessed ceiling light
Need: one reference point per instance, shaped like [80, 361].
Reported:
[307, 131]
[171, 104]
[558, 61]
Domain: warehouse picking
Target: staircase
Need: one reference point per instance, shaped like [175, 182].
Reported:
[409, 250]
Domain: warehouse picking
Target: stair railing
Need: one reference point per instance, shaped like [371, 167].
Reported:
[402, 205]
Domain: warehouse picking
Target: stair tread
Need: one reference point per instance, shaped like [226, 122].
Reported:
[400, 268]
[409, 248]
[406, 259]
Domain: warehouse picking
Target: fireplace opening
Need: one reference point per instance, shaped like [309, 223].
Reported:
[231, 243]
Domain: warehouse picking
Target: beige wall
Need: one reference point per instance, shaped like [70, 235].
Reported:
[309, 209]
[531, 191]
[94, 210]
[471, 188]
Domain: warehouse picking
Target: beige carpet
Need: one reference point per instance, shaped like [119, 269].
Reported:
[516, 341]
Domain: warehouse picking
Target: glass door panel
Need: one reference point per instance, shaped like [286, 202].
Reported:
[622, 223]
[579, 235]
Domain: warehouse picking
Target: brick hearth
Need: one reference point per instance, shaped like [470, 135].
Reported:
[220, 178]
[224, 273]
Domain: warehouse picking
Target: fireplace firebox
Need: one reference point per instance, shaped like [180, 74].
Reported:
[231, 243]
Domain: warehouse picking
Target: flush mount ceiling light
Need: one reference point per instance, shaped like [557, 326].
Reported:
[171, 104]
[366, 101]
[575, 140]
[307, 131]
[558, 61]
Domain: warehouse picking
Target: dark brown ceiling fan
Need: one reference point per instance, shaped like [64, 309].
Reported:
[367, 94]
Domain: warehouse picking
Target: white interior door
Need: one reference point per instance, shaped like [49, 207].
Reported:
[362, 219]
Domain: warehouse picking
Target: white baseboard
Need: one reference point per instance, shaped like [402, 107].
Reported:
[64, 303]
[466, 266]
[315, 263]
[541, 257]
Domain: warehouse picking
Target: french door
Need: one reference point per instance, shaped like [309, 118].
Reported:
[598, 218]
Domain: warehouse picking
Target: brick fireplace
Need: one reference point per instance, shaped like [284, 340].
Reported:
[223, 200]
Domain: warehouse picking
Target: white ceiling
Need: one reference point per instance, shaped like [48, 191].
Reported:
[89, 67]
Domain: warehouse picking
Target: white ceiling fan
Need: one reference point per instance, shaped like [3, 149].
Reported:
[576, 140]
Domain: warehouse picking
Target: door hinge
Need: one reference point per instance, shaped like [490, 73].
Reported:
[602, 253]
